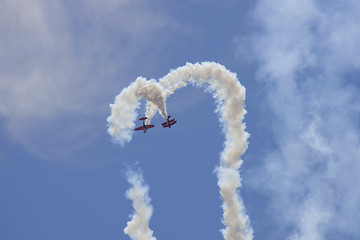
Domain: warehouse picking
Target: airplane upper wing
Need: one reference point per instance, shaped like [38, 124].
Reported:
[139, 128]
[164, 124]
[149, 126]
[171, 120]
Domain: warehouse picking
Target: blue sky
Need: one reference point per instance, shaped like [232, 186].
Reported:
[63, 62]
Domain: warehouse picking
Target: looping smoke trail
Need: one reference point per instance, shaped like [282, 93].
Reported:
[230, 97]
[123, 111]
[138, 227]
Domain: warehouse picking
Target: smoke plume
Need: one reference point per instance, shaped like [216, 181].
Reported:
[229, 95]
[138, 227]
[123, 111]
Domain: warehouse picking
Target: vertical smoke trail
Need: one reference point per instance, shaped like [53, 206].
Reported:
[138, 227]
[230, 97]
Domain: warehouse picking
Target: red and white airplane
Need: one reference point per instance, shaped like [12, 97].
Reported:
[169, 122]
[144, 126]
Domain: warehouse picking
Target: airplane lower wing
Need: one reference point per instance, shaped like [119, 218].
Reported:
[149, 126]
[165, 124]
[139, 128]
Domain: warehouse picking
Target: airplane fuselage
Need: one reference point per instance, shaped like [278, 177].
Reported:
[144, 126]
[168, 123]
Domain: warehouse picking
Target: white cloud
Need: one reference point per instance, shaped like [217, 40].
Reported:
[306, 49]
[137, 19]
[58, 59]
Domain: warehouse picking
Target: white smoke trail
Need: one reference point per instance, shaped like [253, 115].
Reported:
[123, 111]
[138, 227]
[230, 96]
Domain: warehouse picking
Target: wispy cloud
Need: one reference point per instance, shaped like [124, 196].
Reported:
[306, 50]
[57, 59]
